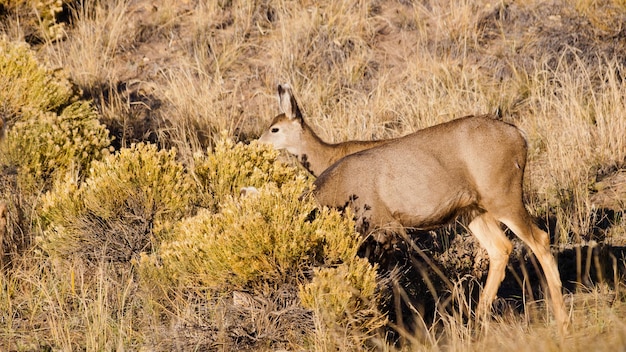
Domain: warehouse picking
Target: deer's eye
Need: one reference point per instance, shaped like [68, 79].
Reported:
[274, 129]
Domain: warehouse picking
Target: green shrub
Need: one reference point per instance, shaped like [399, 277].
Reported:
[124, 207]
[227, 168]
[49, 130]
[25, 85]
[344, 300]
[44, 143]
[269, 237]
[277, 237]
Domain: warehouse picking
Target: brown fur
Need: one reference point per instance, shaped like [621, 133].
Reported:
[472, 165]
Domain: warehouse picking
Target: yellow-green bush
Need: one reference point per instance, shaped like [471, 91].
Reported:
[344, 299]
[124, 207]
[47, 132]
[230, 166]
[48, 10]
[269, 237]
[44, 143]
[275, 238]
[25, 85]
[49, 129]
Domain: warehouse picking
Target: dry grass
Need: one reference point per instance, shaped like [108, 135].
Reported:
[180, 73]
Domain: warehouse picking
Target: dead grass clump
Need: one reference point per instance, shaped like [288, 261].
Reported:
[576, 138]
[597, 321]
[125, 206]
[199, 125]
[46, 304]
[102, 27]
[324, 39]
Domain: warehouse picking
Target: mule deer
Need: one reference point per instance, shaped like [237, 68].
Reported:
[289, 131]
[472, 165]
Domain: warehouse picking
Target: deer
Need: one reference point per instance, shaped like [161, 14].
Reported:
[471, 166]
[290, 131]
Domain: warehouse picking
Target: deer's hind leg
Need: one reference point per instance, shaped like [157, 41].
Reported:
[487, 230]
[539, 242]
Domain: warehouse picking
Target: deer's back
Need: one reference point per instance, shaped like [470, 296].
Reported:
[424, 178]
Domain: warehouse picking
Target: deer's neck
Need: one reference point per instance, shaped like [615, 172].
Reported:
[316, 155]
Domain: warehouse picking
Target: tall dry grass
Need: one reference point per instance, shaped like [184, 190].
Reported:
[361, 69]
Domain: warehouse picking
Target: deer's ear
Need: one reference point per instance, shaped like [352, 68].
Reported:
[288, 104]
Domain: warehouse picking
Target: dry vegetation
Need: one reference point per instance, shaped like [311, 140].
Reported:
[122, 227]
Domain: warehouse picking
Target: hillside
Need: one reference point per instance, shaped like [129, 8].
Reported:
[96, 256]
